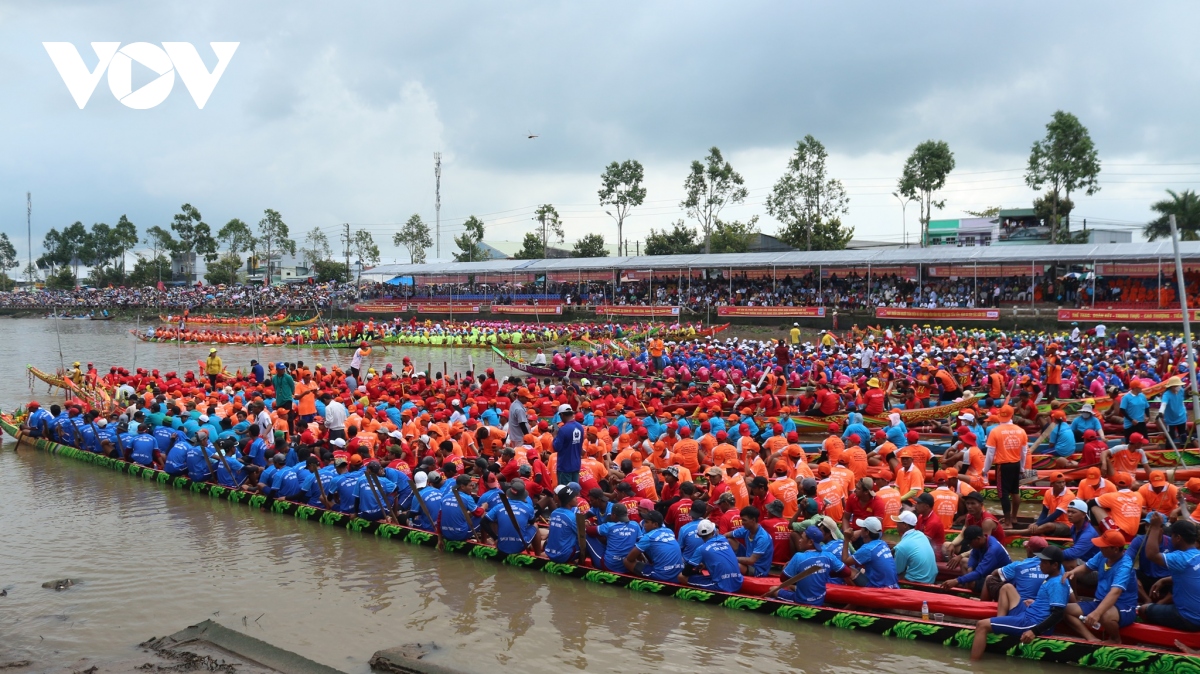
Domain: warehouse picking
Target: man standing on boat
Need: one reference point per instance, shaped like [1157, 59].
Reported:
[568, 444]
[518, 420]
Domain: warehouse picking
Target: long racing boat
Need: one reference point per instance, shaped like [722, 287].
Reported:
[1149, 655]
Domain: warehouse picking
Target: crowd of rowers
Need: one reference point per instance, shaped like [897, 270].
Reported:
[414, 332]
[706, 500]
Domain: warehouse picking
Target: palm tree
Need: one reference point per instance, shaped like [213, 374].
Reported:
[1186, 209]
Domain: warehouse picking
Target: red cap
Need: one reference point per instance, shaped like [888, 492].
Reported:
[834, 428]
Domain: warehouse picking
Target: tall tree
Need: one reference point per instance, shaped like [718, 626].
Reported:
[468, 242]
[709, 188]
[679, 240]
[125, 236]
[1186, 209]
[621, 187]
[532, 248]
[806, 199]
[547, 218]
[591, 245]
[194, 238]
[273, 235]
[1052, 208]
[8, 255]
[66, 248]
[160, 241]
[924, 173]
[414, 236]
[363, 246]
[734, 236]
[102, 246]
[316, 248]
[1065, 160]
[237, 238]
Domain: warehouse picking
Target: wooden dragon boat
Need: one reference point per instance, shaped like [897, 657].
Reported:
[205, 319]
[1148, 655]
[94, 396]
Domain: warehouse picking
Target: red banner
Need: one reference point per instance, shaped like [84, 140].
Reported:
[1126, 315]
[782, 312]
[447, 308]
[948, 314]
[381, 307]
[635, 310]
[526, 309]
[983, 270]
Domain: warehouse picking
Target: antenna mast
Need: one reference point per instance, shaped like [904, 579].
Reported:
[437, 200]
[29, 230]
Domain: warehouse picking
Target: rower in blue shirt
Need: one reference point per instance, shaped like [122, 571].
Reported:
[256, 451]
[874, 555]
[456, 526]
[432, 498]
[144, 447]
[268, 481]
[562, 539]
[717, 557]
[227, 479]
[1025, 575]
[656, 554]
[1184, 583]
[618, 535]
[757, 546]
[199, 461]
[1028, 621]
[510, 539]
[176, 463]
[689, 541]
[1082, 533]
[1174, 415]
[166, 436]
[40, 422]
[373, 505]
[1116, 593]
[987, 555]
[812, 552]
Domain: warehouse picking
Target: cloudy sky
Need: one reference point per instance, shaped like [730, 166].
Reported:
[331, 112]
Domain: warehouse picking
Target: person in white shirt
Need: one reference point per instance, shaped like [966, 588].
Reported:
[356, 360]
[540, 358]
[1100, 331]
[335, 416]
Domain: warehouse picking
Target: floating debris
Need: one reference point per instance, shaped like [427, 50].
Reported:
[59, 585]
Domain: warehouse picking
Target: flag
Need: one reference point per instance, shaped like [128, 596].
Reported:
[161, 286]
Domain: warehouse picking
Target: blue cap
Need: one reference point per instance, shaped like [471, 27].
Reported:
[279, 366]
[815, 535]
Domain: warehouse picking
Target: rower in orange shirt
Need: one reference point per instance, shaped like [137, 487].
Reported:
[833, 445]
[1160, 495]
[909, 481]
[1121, 509]
[686, 451]
[920, 453]
[856, 457]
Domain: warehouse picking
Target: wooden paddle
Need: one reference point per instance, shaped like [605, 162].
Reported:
[1171, 441]
[581, 536]
[425, 510]
[462, 507]
[513, 519]
[377, 490]
[792, 580]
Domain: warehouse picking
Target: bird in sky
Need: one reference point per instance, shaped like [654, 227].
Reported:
[532, 136]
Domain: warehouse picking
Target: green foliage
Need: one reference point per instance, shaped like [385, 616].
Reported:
[160, 241]
[68, 247]
[989, 212]
[149, 271]
[63, 279]
[547, 218]
[1065, 160]
[224, 270]
[806, 200]
[679, 240]
[8, 254]
[102, 277]
[414, 236]
[316, 248]
[468, 242]
[6, 284]
[531, 247]
[125, 236]
[193, 237]
[708, 188]
[591, 245]
[328, 270]
[734, 236]
[363, 247]
[273, 238]
[924, 173]
[621, 188]
[1186, 209]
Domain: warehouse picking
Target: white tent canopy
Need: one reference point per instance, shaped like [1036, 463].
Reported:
[981, 255]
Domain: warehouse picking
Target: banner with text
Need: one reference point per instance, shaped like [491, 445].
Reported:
[528, 309]
[635, 310]
[381, 307]
[1125, 315]
[781, 312]
[447, 308]
[948, 314]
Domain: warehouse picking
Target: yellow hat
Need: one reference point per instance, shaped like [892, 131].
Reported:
[873, 382]
[1174, 381]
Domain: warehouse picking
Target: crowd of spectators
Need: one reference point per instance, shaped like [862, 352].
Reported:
[838, 291]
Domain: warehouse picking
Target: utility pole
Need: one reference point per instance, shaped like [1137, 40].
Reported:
[29, 230]
[1187, 322]
[437, 201]
[346, 239]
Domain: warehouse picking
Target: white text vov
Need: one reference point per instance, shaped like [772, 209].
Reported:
[172, 57]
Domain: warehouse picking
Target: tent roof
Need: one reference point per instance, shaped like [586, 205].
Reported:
[1034, 254]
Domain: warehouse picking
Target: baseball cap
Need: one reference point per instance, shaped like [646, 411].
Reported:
[871, 524]
[420, 480]
[1137, 439]
[1036, 544]
[645, 504]
[339, 461]
[1123, 480]
[815, 535]
[1079, 504]
[908, 517]
[705, 528]
[338, 442]
[1157, 478]
[1053, 554]
[565, 409]
[1112, 538]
